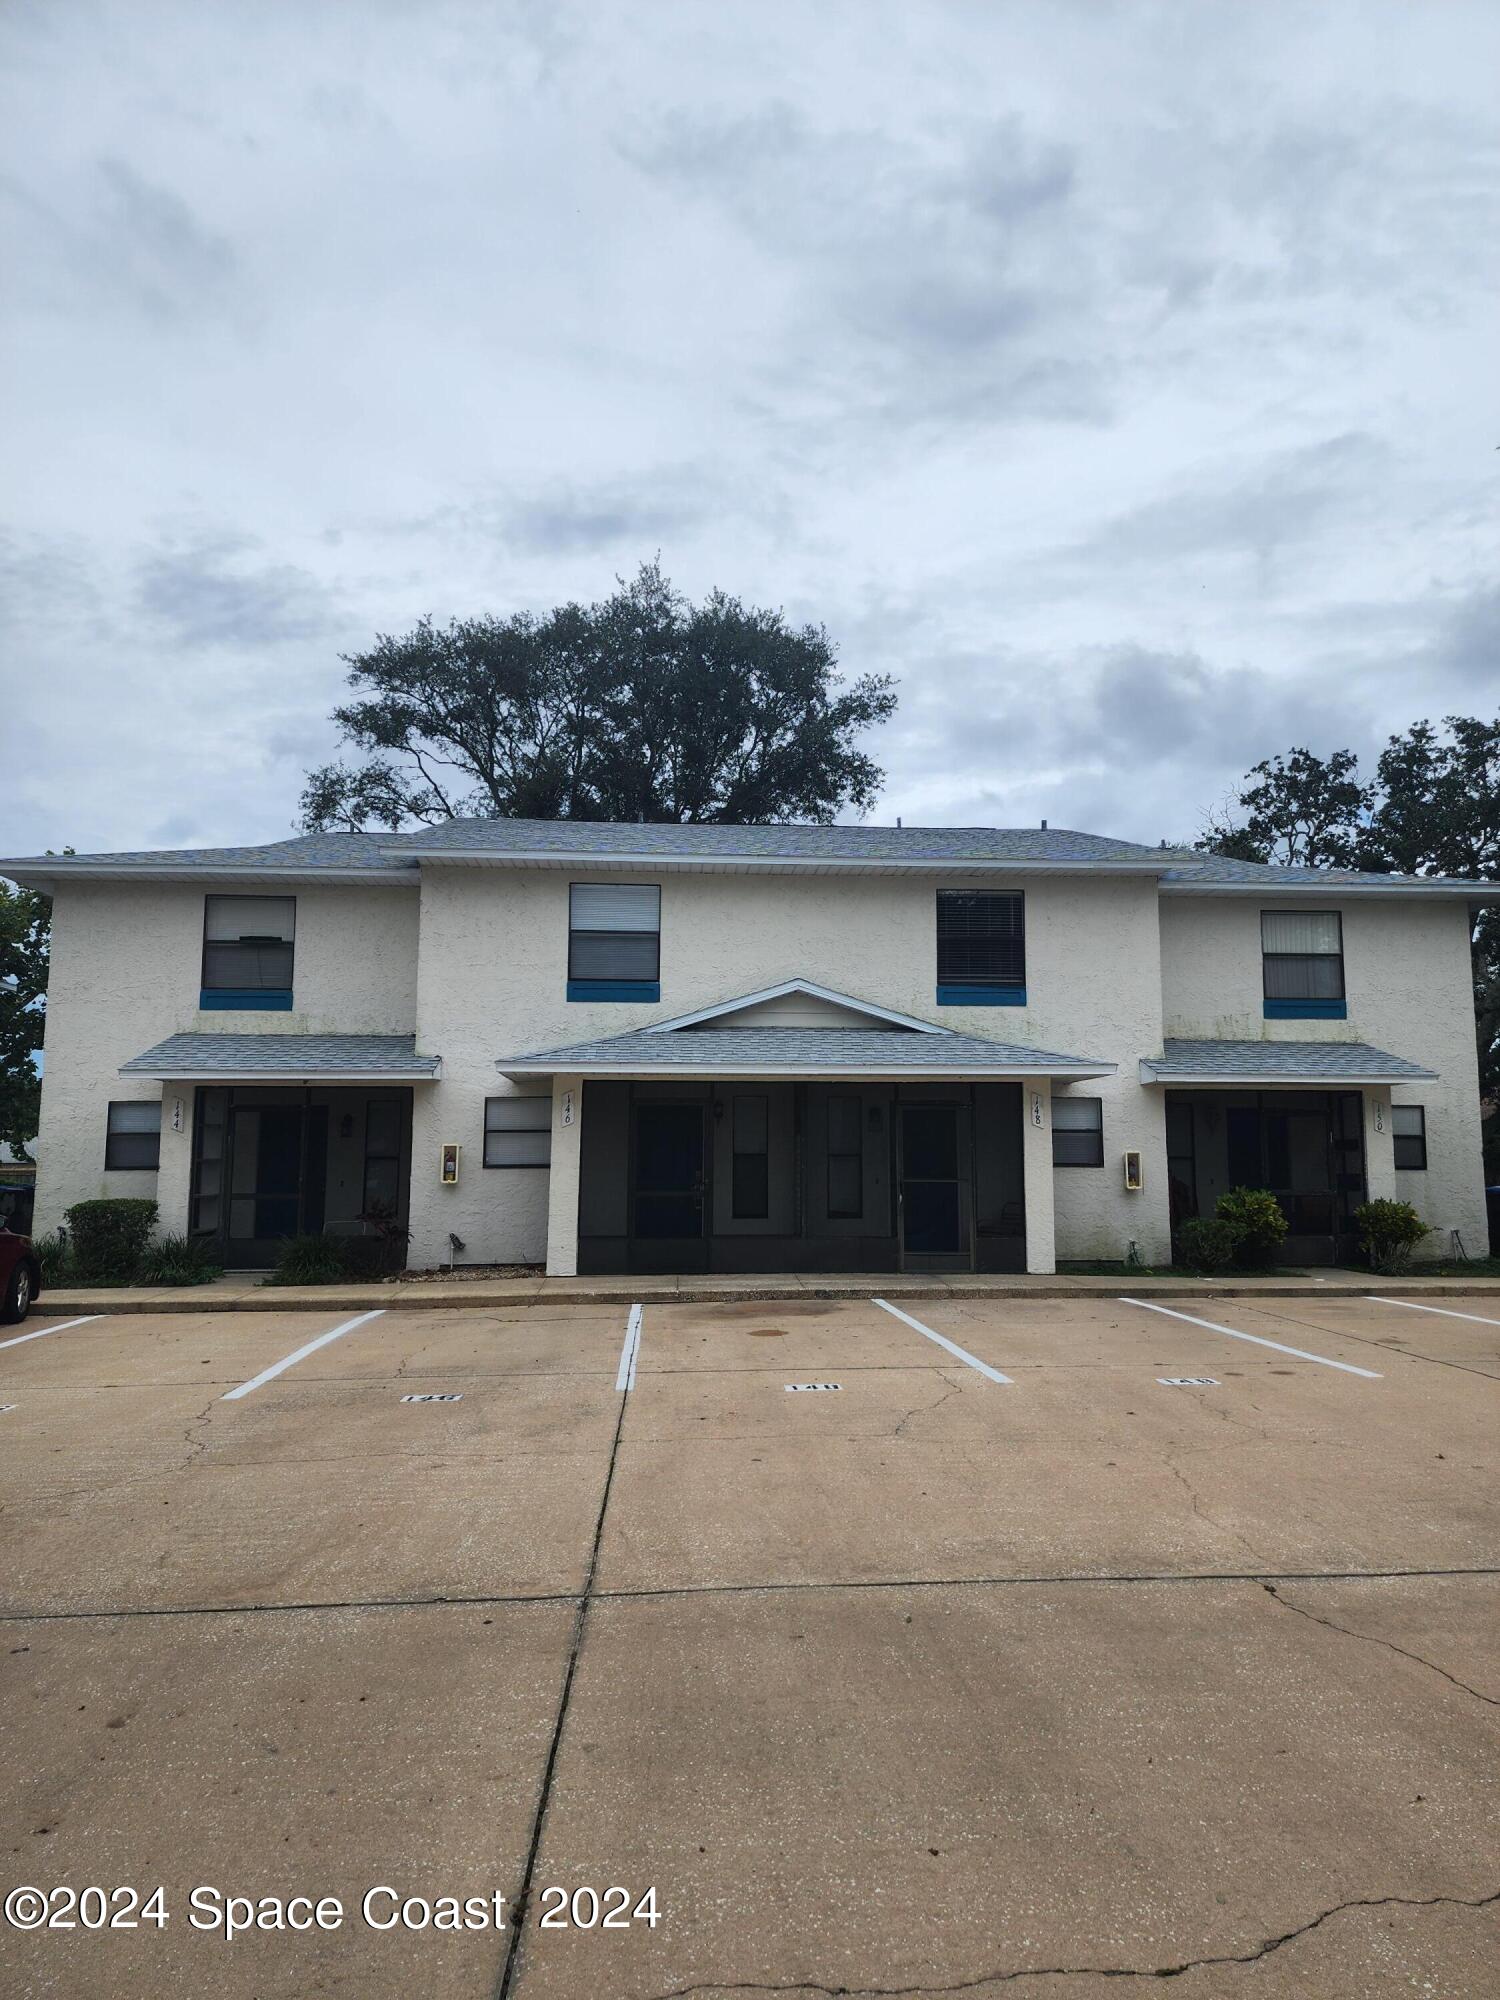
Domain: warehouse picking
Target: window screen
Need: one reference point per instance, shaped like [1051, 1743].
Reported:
[247, 943]
[751, 1180]
[1304, 954]
[518, 1131]
[133, 1137]
[846, 1160]
[614, 931]
[1409, 1136]
[382, 1155]
[1077, 1132]
[981, 939]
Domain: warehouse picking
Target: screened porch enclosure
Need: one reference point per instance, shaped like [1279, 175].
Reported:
[748, 1175]
[275, 1161]
[1305, 1147]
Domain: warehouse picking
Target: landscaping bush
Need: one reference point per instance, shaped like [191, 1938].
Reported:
[310, 1260]
[1204, 1243]
[109, 1238]
[1257, 1222]
[1390, 1231]
[55, 1255]
[177, 1260]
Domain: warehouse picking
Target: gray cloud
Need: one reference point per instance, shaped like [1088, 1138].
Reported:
[1109, 376]
[207, 595]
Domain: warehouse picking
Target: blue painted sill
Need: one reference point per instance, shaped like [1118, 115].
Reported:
[614, 989]
[244, 1000]
[1307, 1010]
[981, 996]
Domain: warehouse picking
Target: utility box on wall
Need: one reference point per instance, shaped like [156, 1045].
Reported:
[1135, 1180]
[448, 1167]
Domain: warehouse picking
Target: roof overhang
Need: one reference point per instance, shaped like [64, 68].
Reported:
[777, 864]
[1338, 892]
[35, 877]
[1364, 1067]
[959, 1072]
[250, 1059]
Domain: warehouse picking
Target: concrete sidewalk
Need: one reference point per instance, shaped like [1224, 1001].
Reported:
[240, 1292]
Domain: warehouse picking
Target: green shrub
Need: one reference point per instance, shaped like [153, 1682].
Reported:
[55, 1255]
[1390, 1231]
[109, 1238]
[1205, 1243]
[309, 1260]
[177, 1260]
[1258, 1224]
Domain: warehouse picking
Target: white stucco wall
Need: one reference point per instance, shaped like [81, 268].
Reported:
[1409, 989]
[125, 971]
[493, 981]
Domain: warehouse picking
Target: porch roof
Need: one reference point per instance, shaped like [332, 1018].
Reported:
[1266, 1063]
[812, 1052]
[286, 1059]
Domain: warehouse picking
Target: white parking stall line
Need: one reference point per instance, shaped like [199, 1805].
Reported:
[625, 1380]
[1258, 1340]
[299, 1354]
[1445, 1312]
[963, 1354]
[40, 1332]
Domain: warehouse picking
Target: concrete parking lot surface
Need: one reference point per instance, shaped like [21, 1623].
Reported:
[981, 1646]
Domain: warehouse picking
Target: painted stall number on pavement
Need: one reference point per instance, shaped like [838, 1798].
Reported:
[458, 1398]
[803, 1388]
[1188, 1381]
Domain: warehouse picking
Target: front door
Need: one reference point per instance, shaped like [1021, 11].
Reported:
[667, 1191]
[275, 1152]
[935, 1188]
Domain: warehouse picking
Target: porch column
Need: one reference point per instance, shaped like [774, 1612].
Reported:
[1380, 1153]
[1036, 1172]
[563, 1181]
[175, 1173]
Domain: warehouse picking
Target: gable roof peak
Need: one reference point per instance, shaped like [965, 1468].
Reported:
[808, 989]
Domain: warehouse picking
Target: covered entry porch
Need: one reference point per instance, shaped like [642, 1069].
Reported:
[1306, 1121]
[889, 1145]
[289, 1135]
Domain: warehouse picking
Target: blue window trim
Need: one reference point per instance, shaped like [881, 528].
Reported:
[981, 996]
[614, 989]
[243, 1000]
[1306, 1010]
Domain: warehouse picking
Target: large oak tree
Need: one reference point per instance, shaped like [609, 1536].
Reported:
[642, 707]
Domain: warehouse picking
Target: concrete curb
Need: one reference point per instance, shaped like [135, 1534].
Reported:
[656, 1291]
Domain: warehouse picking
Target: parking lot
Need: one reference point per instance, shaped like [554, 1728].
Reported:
[1031, 1647]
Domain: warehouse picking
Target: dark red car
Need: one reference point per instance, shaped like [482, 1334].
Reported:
[20, 1276]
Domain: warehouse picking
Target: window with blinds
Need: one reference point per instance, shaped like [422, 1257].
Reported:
[614, 938]
[981, 945]
[1078, 1132]
[248, 943]
[1303, 954]
[518, 1131]
[132, 1140]
[1409, 1137]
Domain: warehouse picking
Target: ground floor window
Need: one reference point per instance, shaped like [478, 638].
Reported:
[1078, 1132]
[132, 1140]
[1409, 1136]
[518, 1131]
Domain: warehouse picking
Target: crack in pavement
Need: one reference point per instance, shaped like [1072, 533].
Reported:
[1263, 1950]
[1200, 1511]
[953, 1389]
[1373, 1639]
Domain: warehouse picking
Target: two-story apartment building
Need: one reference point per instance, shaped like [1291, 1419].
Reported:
[698, 1048]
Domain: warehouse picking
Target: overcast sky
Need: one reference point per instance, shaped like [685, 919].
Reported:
[1120, 377]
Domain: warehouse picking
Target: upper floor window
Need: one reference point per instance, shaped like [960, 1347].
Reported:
[981, 949]
[1303, 955]
[132, 1139]
[614, 941]
[247, 951]
[1409, 1136]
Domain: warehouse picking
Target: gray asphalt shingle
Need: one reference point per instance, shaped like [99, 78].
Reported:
[194, 1054]
[1318, 1062]
[740, 1051]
